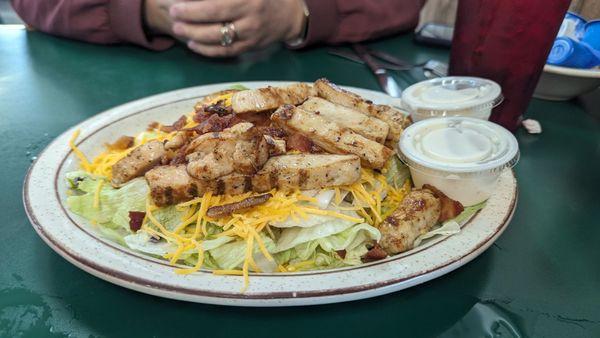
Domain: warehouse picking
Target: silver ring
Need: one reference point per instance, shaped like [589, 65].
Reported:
[227, 34]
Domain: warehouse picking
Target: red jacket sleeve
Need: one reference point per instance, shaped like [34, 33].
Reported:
[338, 21]
[98, 21]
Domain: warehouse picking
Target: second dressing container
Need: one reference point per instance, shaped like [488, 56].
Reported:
[452, 96]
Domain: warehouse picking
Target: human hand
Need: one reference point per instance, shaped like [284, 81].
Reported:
[258, 23]
[156, 16]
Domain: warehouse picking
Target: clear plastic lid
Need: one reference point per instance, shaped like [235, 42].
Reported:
[458, 145]
[451, 94]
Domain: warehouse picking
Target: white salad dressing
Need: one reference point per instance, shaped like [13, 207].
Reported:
[461, 156]
[452, 96]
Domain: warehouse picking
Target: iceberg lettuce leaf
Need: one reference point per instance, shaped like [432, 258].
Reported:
[233, 254]
[114, 205]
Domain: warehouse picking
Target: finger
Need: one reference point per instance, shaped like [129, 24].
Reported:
[208, 10]
[219, 51]
[201, 33]
[210, 34]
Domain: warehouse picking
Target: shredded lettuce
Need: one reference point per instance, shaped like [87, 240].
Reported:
[396, 172]
[319, 245]
[452, 226]
[348, 240]
[294, 236]
[115, 204]
[238, 87]
[232, 254]
[141, 241]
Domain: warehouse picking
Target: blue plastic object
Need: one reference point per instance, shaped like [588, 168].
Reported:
[592, 34]
[573, 26]
[567, 52]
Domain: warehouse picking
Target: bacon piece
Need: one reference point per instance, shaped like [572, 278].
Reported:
[136, 218]
[449, 207]
[177, 125]
[374, 254]
[216, 123]
[302, 144]
[218, 108]
[341, 253]
[228, 209]
[124, 142]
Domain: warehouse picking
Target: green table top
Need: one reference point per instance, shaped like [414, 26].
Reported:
[541, 278]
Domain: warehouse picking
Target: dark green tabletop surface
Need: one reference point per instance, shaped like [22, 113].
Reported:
[540, 279]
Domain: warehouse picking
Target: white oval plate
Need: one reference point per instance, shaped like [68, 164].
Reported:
[76, 240]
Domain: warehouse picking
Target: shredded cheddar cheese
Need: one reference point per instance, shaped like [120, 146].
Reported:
[96, 204]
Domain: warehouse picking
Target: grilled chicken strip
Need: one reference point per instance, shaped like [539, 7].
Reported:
[270, 98]
[172, 184]
[137, 162]
[307, 172]
[417, 214]
[367, 126]
[331, 136]
[395, 119]
[240, 149]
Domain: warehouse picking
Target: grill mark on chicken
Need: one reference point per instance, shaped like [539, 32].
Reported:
[228, 209]
[273, 178]
[247, 183]
[169, 195]
[220, 187]
[302, 177]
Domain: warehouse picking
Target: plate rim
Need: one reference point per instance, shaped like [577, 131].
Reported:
[169, 291]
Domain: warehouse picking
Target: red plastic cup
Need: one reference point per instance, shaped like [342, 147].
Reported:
[507, 41]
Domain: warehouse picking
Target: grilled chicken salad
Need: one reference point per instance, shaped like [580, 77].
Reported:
[286, 179]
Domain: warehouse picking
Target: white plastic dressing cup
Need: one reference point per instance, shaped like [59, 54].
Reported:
[461, 156]
[452, 96]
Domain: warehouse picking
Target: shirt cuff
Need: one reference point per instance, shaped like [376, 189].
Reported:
[126, 23]
[321, 22]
